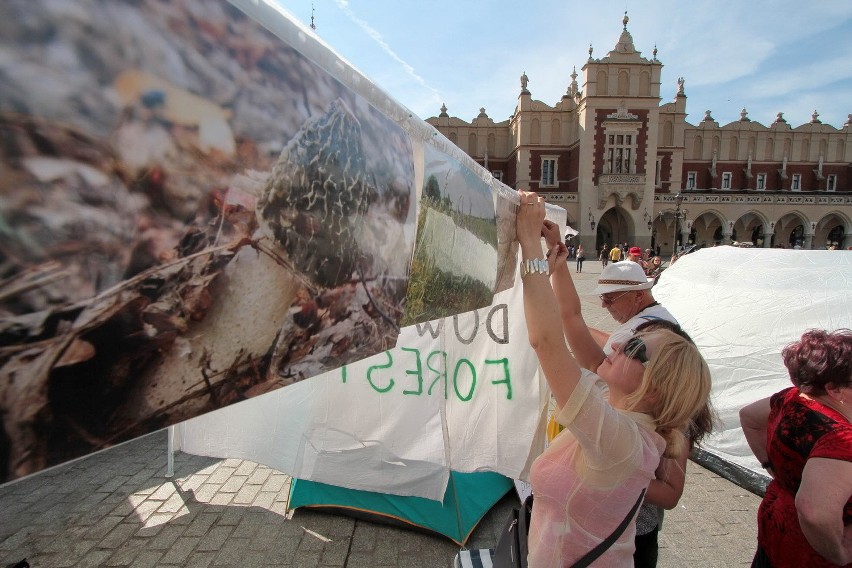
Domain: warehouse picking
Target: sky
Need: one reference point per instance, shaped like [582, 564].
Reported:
[766, 56]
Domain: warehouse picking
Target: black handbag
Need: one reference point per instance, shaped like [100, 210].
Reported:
[511, 550]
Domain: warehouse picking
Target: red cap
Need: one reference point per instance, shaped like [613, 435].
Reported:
[635, 250]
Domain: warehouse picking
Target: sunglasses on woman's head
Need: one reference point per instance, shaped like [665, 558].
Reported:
[634, 348]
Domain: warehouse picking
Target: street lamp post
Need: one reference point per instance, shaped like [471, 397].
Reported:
[678, 201]
[679, 214]
[594, 244]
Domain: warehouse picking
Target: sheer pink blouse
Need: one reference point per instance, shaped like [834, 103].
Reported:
[589, 478]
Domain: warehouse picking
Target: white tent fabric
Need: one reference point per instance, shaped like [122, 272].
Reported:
[391, 423]
[742, 306]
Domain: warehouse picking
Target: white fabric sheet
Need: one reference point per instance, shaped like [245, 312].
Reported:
[742, 306]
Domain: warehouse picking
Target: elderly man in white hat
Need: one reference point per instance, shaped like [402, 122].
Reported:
[625, 292]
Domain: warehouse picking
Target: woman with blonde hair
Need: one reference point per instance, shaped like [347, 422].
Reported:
[590, 480]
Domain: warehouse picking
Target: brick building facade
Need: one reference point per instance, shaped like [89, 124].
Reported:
[615, 158]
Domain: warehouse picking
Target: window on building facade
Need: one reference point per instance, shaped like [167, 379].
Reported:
[498, 174]
[726, 180]
[831, 183]
[691, 179]
[619, 153]
[645, 84]
[796, 183]
[658, 175]
[761, 182]
[623, 83]
[548, 172]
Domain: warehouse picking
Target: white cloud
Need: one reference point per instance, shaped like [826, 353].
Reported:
[806, 76]
[379, 40]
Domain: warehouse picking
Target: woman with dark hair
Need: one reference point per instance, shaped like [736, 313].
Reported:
[803, 438]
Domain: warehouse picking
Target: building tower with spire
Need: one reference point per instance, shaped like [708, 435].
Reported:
[616, 158]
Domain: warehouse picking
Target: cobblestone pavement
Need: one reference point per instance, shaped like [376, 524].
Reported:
[117, 508]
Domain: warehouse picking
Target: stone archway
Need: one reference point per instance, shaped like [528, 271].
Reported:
[836, 236]
[663, 233]
[790, 231]
[615, 226]
[708, 229]
[830, 231]
[797, 237]
[750, 228]
[757, 237]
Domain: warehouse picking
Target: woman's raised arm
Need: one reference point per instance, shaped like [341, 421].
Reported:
[587, 351]
[540, 308]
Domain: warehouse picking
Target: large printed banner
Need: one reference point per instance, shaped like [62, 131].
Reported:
[461, 393]
[200, 202]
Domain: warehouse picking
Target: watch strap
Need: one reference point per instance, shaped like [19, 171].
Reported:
[534, 266]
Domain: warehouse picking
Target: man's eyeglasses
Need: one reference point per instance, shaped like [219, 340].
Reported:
[607, 299]
[634, 348]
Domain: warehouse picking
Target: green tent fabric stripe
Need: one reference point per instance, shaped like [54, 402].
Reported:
[466, 500]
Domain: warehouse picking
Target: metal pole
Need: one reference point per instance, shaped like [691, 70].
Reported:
[170, 459]
[674, 240]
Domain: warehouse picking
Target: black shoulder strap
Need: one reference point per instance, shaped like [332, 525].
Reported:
[593, 554]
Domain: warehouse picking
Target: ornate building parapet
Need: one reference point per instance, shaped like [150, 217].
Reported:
[559, 197]
[755, 198]
[622, 186]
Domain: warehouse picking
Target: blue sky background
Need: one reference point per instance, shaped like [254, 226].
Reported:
[767, 56]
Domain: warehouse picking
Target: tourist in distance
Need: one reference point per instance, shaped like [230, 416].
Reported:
[615, 253]
[581, 256]
[635, 255]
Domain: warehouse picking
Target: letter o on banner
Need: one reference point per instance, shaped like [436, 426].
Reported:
[456, 379]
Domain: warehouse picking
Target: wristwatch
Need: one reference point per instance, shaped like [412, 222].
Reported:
[534, 266]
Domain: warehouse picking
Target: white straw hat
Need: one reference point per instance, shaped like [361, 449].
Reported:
[622, 277]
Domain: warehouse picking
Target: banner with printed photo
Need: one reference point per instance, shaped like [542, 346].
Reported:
[193, 213]
[200, 202]
[461, 393]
